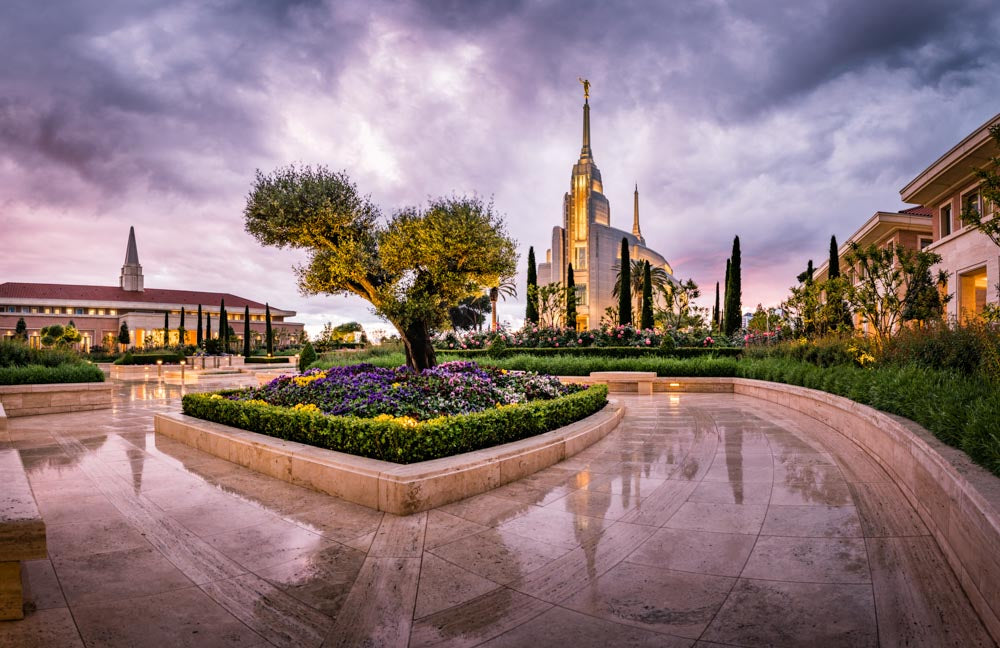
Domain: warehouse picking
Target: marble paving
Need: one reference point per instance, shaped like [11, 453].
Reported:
[704, 520]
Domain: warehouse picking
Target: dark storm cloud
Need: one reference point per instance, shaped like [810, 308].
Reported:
[783, 122]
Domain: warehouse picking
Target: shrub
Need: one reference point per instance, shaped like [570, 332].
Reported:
[395, 440]
[308, 356]
[14, 353]
[971, 348]
[41, 375]
[149, 358]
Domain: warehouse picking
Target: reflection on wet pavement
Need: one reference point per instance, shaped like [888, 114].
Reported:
[706, 517]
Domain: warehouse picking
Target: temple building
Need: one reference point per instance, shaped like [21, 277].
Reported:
[99, 311]
[587, 240]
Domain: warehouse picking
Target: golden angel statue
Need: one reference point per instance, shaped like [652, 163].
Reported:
[586, 87]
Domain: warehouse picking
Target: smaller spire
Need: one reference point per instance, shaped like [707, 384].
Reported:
[635, 220]
[131, 251]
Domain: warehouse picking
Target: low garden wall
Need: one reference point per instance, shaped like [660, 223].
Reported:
[30, 400]
[386, 486]
[958, 500]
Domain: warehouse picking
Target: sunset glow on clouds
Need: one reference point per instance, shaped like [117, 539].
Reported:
[781, 122]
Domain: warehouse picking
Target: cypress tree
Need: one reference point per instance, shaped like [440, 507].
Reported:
[180, 329]
[734, 291]
[646, 319]
[224, 326]
[625, 287]
[570, 298]
[715, 311]
[725, 299]
[166, 328]
[123, 335]
[531, 312]
[200, 337]
[208, 325]
[246, 331]
[21, 329]
[267, 329]
[834, 266]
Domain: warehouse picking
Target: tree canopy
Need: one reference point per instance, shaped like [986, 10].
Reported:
[411, 267]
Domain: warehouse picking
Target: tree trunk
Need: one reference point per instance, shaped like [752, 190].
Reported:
[420, 353]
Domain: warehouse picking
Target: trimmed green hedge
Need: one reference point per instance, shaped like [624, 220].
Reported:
[40, 375]
[391, 440]
[595, 352]
[575, 366]
[265, 360]
[149, 358]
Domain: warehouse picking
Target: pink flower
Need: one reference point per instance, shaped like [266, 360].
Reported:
[579, 341]
[647, 341]
[557, 344]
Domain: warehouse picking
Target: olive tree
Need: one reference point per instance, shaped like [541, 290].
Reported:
[411, 267]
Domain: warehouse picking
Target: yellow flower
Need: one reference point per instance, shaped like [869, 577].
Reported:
[395, 385]
[256, 401]
[216, 397]
[306, 407]
[302, 381]
[383, 417]
[407, 421]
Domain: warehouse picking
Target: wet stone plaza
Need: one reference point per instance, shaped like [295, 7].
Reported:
[704, 519]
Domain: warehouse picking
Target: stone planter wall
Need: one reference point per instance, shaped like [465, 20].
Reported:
[386, 486]
[30, 400]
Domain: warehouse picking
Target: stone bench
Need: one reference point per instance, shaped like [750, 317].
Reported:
[642, 379]
[22, 533]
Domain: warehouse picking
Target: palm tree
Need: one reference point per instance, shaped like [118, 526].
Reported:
[505, 288]
[658, 276]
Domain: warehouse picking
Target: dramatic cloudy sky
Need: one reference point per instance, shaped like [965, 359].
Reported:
[783, 122]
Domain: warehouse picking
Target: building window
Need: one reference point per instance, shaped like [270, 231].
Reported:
[971, 202]
[580, 258]
[945, 221]
[581, 295]
[81, 311]
[972, 293]
[924, 242]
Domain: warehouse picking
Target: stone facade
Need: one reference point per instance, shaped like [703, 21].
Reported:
[947, 187]
[587, 240]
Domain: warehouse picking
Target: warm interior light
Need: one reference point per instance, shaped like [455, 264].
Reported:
[675, 384]
[183, 362]
[159, 362]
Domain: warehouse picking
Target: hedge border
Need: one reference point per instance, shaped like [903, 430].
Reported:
[41, 375]
[596, 351]
[265, 360]
[390, 440]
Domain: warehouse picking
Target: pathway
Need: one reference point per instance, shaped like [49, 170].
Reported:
[705, 518]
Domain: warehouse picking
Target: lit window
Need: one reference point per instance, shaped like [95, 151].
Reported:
[580, 261]
[972, 293]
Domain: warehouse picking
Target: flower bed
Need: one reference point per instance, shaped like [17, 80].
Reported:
[401, 416]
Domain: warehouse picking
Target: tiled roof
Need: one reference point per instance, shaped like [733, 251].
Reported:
[111, 294]
[919, 211]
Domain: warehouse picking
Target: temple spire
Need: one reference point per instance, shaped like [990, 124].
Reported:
[585, 153]
[131, 277]
[635, 220]
[131, 251]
